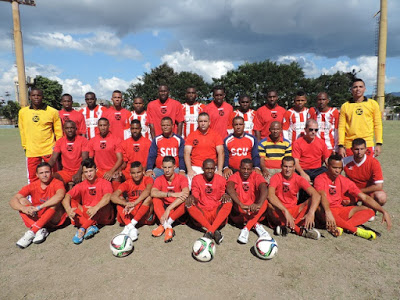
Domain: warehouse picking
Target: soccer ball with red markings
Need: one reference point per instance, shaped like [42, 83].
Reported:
[266, 248]
[203, 249]
[121, 245]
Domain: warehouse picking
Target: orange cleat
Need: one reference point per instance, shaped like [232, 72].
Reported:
[158, 231]
[169, 234]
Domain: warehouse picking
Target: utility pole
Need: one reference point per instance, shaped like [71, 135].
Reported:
[382, 56]
[19, 50]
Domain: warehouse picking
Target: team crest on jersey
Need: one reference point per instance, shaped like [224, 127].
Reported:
[171, 189]
[43, 200]
[163, 110]
[286, 187]
[221, 112]
[208, 189]
[359, 111]
[98, 113]
[66, 118]
[117, 117]
[103, 145]
[70, 147]
[332, 190]
[35, 119]
[245, 186]
[274, 115]
[92, 191]
[195, 142]
[136, 148]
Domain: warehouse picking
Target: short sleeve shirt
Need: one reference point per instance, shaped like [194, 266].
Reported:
[71, 152]
[135, 150]
[177, 185]
[247, 190]
[157, 110]
[90, 194]
[366, 173]
[204, 146]
[39, 195]
[208, 193]
[134, 190]
[104, 151]
[311, 155]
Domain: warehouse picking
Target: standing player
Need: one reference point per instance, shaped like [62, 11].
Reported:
[39, 126]
[73, 149]
[294, 120]
[246, 113]
[208, 204]
[164, 107]
[332, 186]
[219, 111]
[92, 113]
[131, 211]
[43, 209]
[365, 171]
[169, 194]
[68, 113]
[283, 210]
[267, 114]
[117, 115]
[238, 146]
[88, 203]
[191, 110]
[135, 148]
[360, 118]
[328, 121]
[249, 192]
[140, 114]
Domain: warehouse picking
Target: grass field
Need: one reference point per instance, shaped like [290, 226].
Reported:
[345, 267]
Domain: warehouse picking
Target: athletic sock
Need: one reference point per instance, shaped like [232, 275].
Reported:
[197, 215]
[140, 213]
[221, 216]
[45, 217]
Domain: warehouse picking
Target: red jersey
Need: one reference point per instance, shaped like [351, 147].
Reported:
[247, 190]
[219, 117]
[71, 152]
[134, 190]
[328, 125]
[118, 121]
[286, 189]
[104, 151]
[294, 124]
[161, 147]
[39, 195]
[177, 185]
[90, 194]
[238, 148]
[143, 122]
[366, 173]
[335, 190]
[311, 155]
[208, 193]
[156, 111]
[265, 116]
[190, 114]
[91, 119]
[75, 116]
[204, 146]
[248, 120]
[135, 151]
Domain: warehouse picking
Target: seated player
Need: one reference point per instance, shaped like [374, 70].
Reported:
[73, 149]
[130, 212]
[248, 191]
[283, 210]
[239, 145]
[208, 205]
[332, 186]
[169, 194]
[44, 209]
[88, 203]
[134, 148]
[365, 171]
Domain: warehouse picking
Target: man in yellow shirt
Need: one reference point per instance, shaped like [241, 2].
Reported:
[39, 127]
[360, 117]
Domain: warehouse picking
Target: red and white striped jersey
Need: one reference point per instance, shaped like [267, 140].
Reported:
[190, 114]
[328, 125]
[143, 121]
[248, 120]
[294, 124]
[91, 119]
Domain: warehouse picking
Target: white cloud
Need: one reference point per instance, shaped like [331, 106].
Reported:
[147, 66]
[185, 61]
[309, 67]
[105, 86]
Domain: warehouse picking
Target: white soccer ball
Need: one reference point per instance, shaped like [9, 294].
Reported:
[266, 248]
[203, 249]
[121, 245]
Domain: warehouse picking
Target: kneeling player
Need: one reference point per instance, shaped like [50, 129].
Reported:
[90, 204]
[130, 212]
[208, 205]
[249, 192]
[283, 210]
[44, 208]
[169, 193]
[332, 186]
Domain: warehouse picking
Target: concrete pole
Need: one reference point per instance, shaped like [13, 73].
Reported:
[382, 56]
[19, 54]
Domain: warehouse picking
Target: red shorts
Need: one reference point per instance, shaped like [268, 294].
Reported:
[210, 216]
[57, 220]
[341, 211]
[370, 151]
[66, 175]
[239, 216]
[33, 162]
[105, 216]
[294, 211]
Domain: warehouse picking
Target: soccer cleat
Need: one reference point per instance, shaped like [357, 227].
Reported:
[127, 228]
[208, 235]
[281, 230]
[311, 234]
[158, 231]
[78, 237]
[338, 231]
[243, 236]
[261, 232]
[366, 234]
[169, 234]
[90, 232]
[218, 237]
[133, 234]
[26, 240]
[41, 236]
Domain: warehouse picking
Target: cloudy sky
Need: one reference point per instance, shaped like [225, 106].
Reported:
[104, 45]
